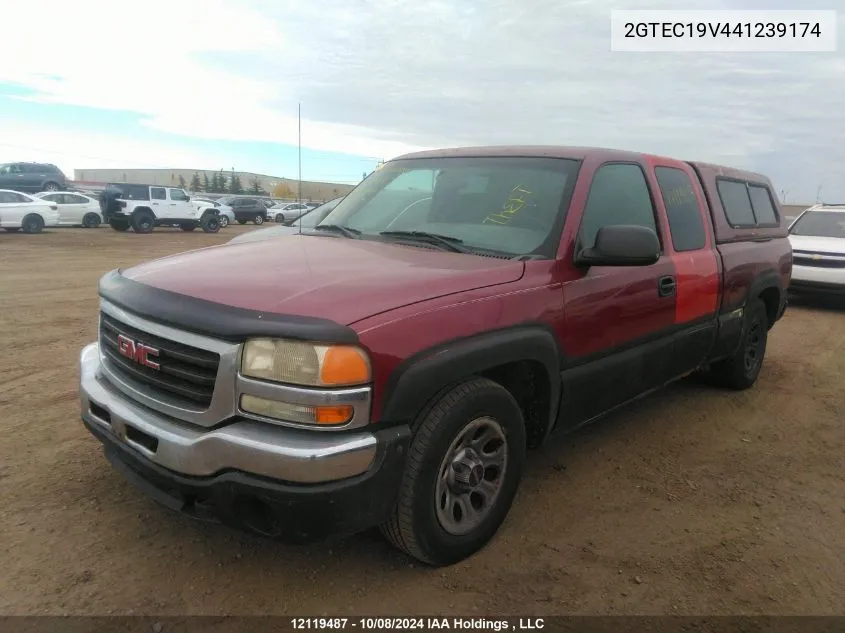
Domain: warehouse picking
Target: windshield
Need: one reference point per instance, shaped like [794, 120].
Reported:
[820, 224]
[313, 217]
[502, 205]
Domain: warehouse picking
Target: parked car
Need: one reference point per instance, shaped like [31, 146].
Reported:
[75, 209]
[304, 222]
[21, 211]
[32, 177]
[143, 207]
[455, 309]
[288, 212]
[225, 212]
[246, 209]
[818, 245]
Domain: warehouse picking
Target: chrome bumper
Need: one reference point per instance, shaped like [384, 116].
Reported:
[248, 446]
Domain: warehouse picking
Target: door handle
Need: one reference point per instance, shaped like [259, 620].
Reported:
[666, 286]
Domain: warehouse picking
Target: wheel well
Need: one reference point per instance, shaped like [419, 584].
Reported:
[528, 382]
[137, 209]
[771, 298]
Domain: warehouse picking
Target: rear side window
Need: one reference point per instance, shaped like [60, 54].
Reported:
[158, 193]
[618, 195]
[736, 202]
[761, 202]
[682, 209]
[746, 204]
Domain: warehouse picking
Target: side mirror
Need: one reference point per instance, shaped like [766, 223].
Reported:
[187, 198]
[622, 245]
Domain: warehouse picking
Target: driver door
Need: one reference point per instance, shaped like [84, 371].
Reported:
[179, 204]
[617, 328]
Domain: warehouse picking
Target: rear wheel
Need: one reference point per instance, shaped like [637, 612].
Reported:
[91, 221]
[280, 217]
[224, 221]
[143, 221]
[119, 225]
[258, 219]
[463, 470]
[51, 186]
[32, 223]
[741, 370]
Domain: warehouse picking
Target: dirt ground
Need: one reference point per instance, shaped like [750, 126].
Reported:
[694, 501]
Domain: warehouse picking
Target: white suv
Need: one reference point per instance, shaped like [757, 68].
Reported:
[143, 207]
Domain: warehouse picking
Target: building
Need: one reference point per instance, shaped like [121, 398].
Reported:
[269, 185]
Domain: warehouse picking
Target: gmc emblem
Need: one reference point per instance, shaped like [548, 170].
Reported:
[138, 352]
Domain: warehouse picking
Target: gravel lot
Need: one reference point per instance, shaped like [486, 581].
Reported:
[693, 501]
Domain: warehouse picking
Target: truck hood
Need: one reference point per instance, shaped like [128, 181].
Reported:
[341, 279]
[831, 245]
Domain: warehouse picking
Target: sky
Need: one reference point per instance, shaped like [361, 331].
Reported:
[216, 85]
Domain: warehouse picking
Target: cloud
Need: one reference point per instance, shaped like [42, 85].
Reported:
[381, 78]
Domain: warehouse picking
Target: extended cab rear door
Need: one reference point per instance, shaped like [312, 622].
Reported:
[686, 221]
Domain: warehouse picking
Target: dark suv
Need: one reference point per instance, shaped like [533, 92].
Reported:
[246, 209]
[32, 177]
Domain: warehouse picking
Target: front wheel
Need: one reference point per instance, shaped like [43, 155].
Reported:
[463, 470]
[258, 219]
[51, 186]
[224, 221]
[32, 223]
[210, 224]
[280, 218]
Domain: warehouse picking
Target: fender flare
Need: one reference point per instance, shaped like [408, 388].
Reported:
[419, 378]
[764, 281]
[143, 208]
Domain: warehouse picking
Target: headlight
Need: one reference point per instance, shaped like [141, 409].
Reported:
[308, 364]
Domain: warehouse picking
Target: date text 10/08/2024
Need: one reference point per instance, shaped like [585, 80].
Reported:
[419, 624]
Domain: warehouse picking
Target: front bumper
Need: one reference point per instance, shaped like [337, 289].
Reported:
[817, 279]
[285, 483]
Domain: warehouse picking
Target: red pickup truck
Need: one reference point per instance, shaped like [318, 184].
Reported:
[452, 311]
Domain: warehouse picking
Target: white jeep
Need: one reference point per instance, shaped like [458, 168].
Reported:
[143, 207]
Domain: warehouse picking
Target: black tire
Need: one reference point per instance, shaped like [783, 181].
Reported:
[51, 186]
[742, 369]
[210, 224]
[143, 221]
[32, 223]
[416, 526]
[224, 221]
[90, 221]
[119, 225]
[280, 218]
[187, 226]
[241, 221]
[258, 219]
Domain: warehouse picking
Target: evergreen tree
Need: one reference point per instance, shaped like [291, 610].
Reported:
[195, 182]
[235, 186]
[255, 187]
[206, 183]
[216, 185]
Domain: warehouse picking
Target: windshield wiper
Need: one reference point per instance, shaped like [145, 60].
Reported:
[339, 228]
[451, 243]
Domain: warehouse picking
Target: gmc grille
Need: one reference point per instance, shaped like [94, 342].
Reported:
[185, 373]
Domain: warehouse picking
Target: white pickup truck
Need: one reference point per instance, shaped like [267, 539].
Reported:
[143, 207]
